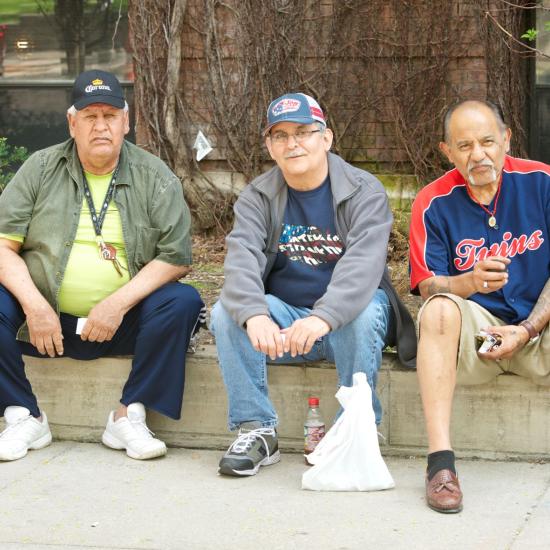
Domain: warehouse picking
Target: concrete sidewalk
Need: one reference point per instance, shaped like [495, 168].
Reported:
[81, 495]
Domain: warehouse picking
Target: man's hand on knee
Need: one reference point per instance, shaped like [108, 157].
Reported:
[45, 329]
[303, 333]
[103, 321]
[265, 336]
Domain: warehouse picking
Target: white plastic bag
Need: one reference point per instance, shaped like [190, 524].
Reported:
[348, 457]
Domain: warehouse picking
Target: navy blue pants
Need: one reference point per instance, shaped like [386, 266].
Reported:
[156, 332]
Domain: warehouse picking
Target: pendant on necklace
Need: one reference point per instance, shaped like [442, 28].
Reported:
[492, 222]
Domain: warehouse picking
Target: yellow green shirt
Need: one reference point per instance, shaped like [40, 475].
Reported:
[88, 278]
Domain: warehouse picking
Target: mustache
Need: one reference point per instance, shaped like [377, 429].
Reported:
[472, 165]
[294, 154]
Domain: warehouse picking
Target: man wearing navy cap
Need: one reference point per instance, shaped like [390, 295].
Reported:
[305, 277]
[94, 236]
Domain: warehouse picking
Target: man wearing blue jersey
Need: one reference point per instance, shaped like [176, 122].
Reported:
[305, 277]
[480, 257]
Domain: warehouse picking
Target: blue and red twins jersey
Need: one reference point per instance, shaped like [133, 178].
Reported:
[449, 233]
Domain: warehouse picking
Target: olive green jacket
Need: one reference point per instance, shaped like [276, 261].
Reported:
[43, 202]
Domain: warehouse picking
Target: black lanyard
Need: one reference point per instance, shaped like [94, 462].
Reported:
[98, 220]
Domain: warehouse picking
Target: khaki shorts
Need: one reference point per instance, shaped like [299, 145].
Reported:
[533, 361]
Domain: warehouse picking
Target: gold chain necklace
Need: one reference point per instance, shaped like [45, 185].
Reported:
[492, 221]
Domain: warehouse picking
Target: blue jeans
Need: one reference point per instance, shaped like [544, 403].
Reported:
[355, 347]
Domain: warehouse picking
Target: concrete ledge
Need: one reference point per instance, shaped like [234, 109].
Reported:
[504, 419]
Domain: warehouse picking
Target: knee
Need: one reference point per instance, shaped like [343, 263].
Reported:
[8, 330]
[372, 320]
[273, 303]
[220, 319]
[360, 327]
[11, 313]
[186, 300]
[7, 338]
[440, 316]
[176, 302]
[369, 316]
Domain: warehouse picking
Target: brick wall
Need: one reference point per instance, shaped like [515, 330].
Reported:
[354, 90]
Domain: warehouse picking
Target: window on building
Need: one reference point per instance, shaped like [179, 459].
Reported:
[44, 44]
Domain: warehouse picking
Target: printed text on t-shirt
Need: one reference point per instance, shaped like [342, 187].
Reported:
[470, 251]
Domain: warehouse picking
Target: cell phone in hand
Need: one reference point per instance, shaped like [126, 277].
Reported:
[485, 341]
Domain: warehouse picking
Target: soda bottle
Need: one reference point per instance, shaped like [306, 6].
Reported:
[314, 427]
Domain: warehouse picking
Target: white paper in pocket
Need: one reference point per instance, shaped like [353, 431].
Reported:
[80, 324]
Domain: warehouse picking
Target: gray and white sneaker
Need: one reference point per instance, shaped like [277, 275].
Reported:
[254, 447]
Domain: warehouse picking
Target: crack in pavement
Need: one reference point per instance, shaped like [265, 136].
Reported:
[528, 515]
[24, 473]
[69, 546]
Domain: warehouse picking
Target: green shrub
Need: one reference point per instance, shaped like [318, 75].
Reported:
[10, 159]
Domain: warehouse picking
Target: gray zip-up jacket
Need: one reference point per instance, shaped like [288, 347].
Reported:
[363, 221]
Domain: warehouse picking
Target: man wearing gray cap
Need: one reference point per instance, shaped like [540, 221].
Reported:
[305, 277]
[94, 237]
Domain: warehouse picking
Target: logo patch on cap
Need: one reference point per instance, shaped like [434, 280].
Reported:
[97, 84]
[295, 107]
[286, 106]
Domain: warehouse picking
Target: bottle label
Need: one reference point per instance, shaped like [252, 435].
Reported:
[312, 436]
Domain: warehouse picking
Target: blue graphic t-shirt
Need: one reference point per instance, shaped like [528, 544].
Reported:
[308, 247]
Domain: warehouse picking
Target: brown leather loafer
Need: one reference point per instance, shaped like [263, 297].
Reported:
[443, 493]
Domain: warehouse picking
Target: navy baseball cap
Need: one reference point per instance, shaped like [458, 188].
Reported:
[300, 108]
[97, 86]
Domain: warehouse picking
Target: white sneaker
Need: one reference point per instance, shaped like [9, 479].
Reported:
[131, 433]
[23, 432]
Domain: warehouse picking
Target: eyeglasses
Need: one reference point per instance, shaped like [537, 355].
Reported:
[299, 136]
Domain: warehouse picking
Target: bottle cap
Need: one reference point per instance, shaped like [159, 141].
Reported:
[313, 401]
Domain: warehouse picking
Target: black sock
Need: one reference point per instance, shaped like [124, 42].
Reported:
[441, 460]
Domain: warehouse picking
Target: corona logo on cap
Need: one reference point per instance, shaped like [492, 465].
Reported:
[97, 84]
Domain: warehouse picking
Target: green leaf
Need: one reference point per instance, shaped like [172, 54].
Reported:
[10, 159]
[530, 34]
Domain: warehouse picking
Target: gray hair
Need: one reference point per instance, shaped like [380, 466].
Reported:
[480, 102]
[72, 109]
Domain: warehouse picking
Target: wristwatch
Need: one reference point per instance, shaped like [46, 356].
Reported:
[533, 333]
